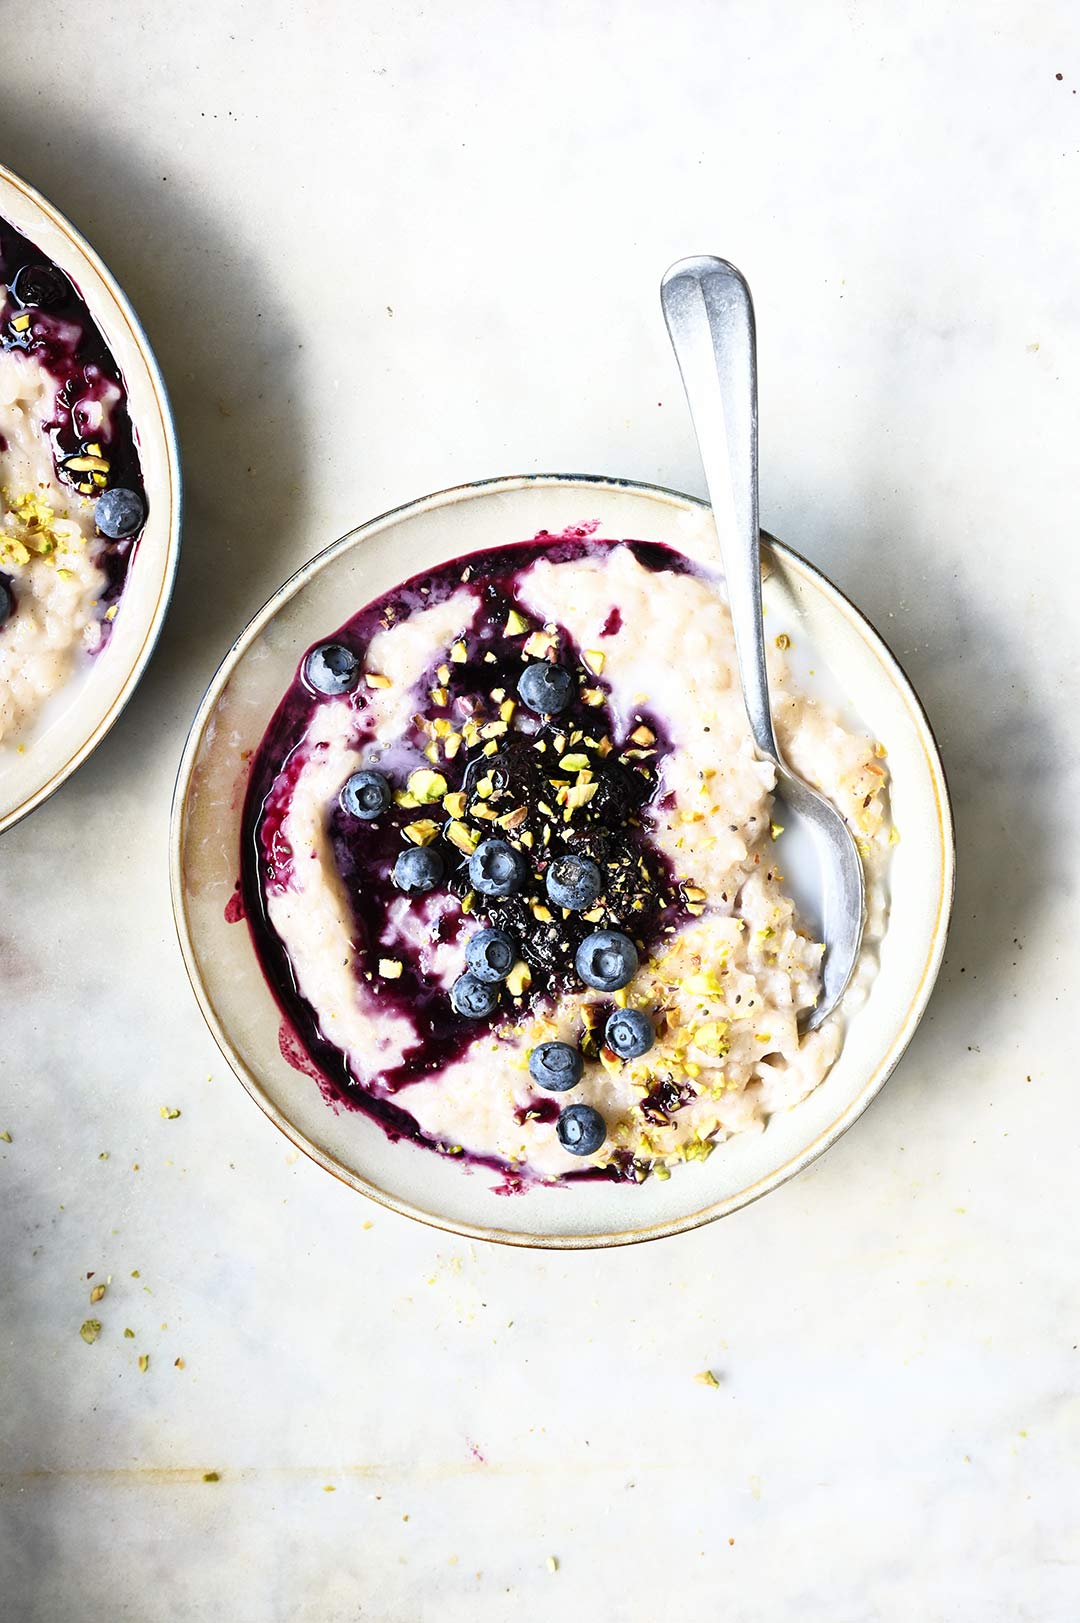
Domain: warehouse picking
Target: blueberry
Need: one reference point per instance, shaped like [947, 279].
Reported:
[332, 669]
[545, 688]
[556, 1066]
[41, 286]
[7, 601]
[629, 1033]
[607, 959]
[119, 513]
[574, 882]
[472, 997]
[581, 1129]
[417, 869]
[491, 955]
[495, 869]
[366, 795]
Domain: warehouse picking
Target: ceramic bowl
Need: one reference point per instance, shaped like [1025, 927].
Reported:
[83, 713]
[241, 1010]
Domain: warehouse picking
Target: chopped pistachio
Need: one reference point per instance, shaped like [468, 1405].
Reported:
[463, 837]
[594, 658]
[390, 968]
[421, 832]
[440, 696]
[211, 1476]
[20, 322]
[506, 710]
[519, 979]
[579, 796]
[454, 804]
[144, 1363]
[776, 829]
[169, 1113]
[575, 763]
[459, 654]
[643, 735]
[539, 644]
[374, 680]
[707, 1378]
[426, 786]
[516, 624]
[90, 1329]
[96, 1295]
[783, 641]
[6, 1136]
[443, 673]
[405, 800]
[129, 1335]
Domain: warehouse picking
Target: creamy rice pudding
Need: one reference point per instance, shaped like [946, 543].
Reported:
[510, 865]
[72, 501]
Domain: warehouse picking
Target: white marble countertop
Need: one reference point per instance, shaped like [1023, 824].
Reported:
[382, 249]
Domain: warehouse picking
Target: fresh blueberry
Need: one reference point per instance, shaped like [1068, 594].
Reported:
[574, 882]
[545, 688]
[629, 1033]
[491, 955]
[495, 869]
[366, 795]
[7, 601]
[472, 997]
[119, 513]
[417, 869]
[41, 286]
[332, 669]
[607, 959]
[556, 1066]
[581, 1129]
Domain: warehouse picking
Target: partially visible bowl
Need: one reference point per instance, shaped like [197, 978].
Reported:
[83, 713]
[240, 1009]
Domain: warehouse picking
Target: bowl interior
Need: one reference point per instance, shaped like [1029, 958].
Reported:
[82, 714]
[848, 657]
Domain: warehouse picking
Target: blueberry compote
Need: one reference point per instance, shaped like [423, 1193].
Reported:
[93, 443]
[475, 764]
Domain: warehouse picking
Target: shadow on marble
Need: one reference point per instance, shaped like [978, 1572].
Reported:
[229, 354]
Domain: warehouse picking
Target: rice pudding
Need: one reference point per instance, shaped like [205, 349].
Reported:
[510, 865]
[72, 500]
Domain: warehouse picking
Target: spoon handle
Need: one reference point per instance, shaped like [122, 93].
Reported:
[710, 320]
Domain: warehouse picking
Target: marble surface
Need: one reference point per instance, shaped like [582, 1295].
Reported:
[383, 248]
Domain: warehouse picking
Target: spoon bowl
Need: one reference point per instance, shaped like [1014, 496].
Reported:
[710, 320]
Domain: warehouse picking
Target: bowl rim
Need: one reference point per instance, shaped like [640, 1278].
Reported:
[538, 1241]
[137, 332]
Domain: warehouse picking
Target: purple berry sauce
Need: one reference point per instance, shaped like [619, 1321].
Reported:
[643, 896]
[64, 338]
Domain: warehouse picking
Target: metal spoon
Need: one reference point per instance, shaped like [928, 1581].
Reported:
[710, 320]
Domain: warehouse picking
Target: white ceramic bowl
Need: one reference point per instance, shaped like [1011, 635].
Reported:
[82, 714]
[241, 1010]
